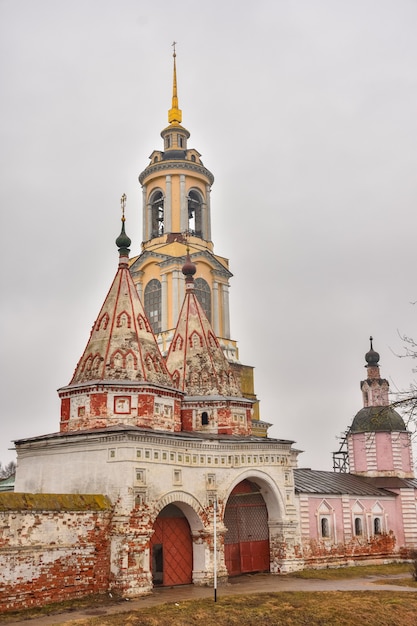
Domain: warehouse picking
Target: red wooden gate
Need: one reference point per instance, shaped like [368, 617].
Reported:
[171, 548]
[247, 538]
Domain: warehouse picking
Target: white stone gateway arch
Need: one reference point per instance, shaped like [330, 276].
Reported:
[280, 527]
[199, 520]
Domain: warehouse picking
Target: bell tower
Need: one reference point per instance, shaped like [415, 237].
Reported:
[176, 187]
[176, 218]
[176, 211]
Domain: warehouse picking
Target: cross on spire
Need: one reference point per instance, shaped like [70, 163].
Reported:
[123, 204]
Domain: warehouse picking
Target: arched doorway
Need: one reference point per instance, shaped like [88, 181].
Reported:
[246, 543]
[171, 548]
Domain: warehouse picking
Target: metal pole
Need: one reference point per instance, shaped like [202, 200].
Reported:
[215, 549]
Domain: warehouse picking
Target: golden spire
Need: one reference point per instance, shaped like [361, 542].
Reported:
[174, 113]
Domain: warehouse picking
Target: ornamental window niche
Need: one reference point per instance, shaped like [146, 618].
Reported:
[195, 219]
[157, 213]
[358, 519]
[377, 519]
[325, 521]
[153, 304]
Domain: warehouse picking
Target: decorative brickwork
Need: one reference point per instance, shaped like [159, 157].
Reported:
[52, 547]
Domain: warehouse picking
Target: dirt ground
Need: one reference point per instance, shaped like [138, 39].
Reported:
[256, 583]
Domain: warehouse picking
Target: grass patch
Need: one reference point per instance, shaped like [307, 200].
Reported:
[101, 602]
[401, 582]
[276, 609]
[76, 604]
[357, 571]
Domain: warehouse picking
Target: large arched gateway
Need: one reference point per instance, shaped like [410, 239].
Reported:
[171, 548]
[246, 543]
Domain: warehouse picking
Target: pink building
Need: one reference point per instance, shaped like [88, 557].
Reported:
[370, 511]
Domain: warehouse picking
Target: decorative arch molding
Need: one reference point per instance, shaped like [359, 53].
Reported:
[326, 521]
[176, 377]
[123, 319]
[178, 343]
[187, 503]
[212, 340]
[86, 366]
[131, 361]
[358, 507]
[325, 507]
[103, 322]
[358, 519]
[143, 323]
[91, 363]
[195, 340]
[378, 509]
[271, 494]
[117, 358]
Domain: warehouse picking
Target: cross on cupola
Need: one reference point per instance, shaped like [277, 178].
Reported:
[123, 241]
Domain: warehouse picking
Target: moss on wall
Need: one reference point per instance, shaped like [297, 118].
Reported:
[12, 501]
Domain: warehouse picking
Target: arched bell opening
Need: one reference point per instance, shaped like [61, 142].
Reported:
[157, 213]
[246, 542]
[195, 216]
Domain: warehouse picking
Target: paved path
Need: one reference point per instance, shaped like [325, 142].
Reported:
[256, 583]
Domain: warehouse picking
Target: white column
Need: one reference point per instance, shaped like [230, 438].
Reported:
[204, 221]
[139, 286]
[183, 205]
[148, 221]
[175, 296]
[225, 311]
[164, 303]
[182, 287]
[168, 205]
[208, 213]
[216, 308]
[145, 236]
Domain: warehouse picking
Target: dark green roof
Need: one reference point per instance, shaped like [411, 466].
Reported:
[377, 419]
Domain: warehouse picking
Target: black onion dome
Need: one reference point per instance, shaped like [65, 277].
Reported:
[377, 419]
[372, 357]
[189, 268]
[123, 241]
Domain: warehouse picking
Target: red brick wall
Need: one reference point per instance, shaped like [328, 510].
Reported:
[65, 409]
[98, 404]
[187, 419]
[50, 556]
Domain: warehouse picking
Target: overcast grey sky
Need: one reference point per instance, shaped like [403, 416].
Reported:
[304, 110]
